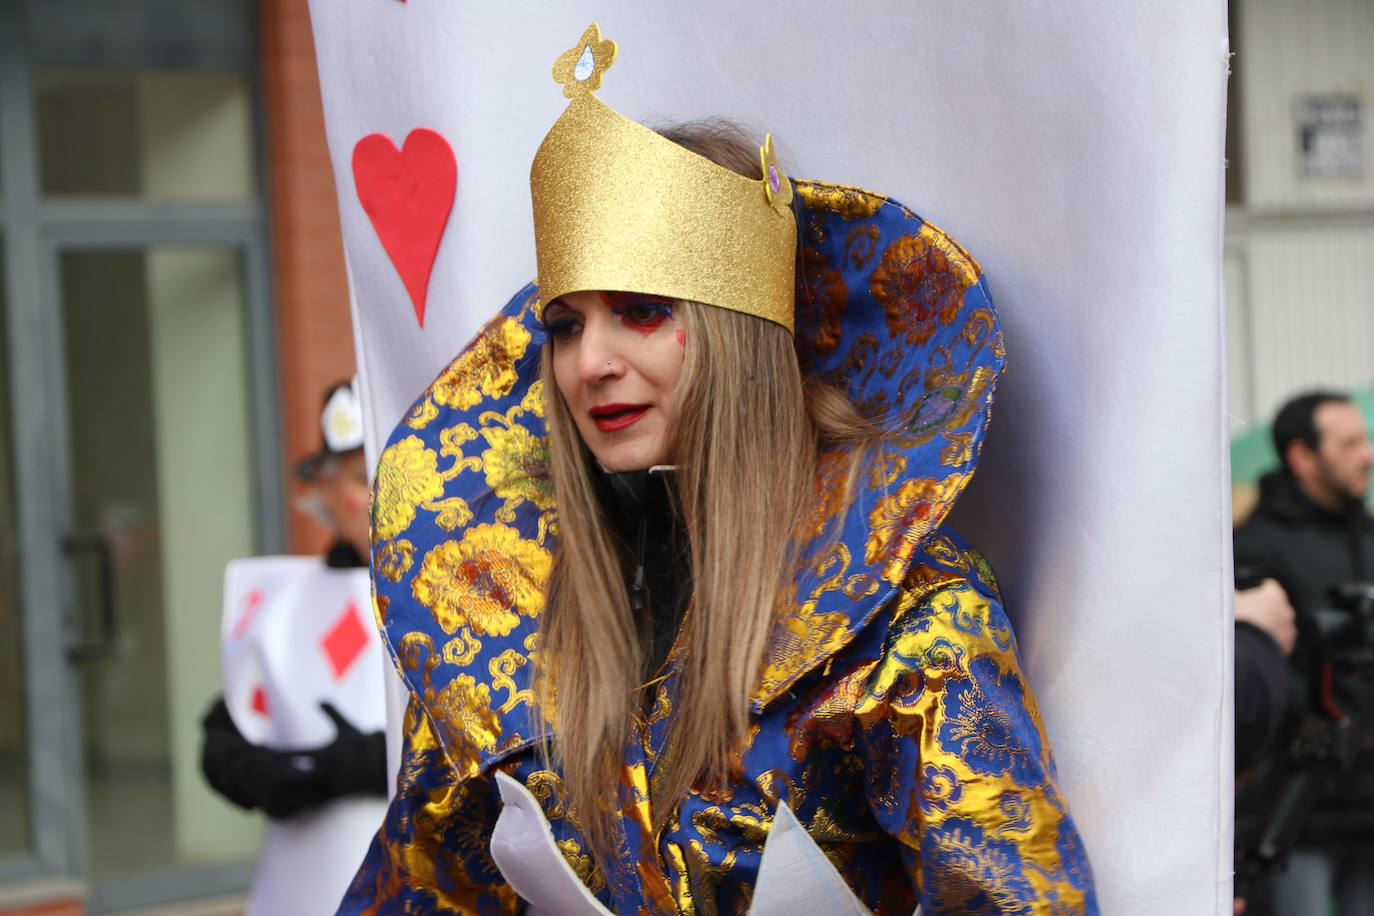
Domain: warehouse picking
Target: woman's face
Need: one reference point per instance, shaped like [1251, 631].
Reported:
[616, 359]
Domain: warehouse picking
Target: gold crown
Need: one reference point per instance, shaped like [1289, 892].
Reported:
[618, 207]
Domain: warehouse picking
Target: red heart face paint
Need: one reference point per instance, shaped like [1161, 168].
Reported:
[616, 360]
[682, 336]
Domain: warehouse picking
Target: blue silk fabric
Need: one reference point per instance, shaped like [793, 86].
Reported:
[891, 713]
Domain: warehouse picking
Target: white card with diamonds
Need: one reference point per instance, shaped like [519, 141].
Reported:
[297, 633]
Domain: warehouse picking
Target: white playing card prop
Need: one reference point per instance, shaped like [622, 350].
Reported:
[295, 634]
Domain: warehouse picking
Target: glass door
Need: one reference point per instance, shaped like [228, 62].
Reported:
[160, 489]
[14, 770]
[139, 441]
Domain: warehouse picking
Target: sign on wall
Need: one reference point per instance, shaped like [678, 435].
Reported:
[1330, 134]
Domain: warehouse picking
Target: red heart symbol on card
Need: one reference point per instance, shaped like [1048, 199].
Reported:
[407, 193]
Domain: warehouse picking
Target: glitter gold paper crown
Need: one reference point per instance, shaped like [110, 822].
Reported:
[618, 207]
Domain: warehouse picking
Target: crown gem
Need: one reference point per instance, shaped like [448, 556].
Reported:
[585, 64]
[773, 181]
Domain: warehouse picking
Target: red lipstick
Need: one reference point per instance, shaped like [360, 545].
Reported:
[611, 417]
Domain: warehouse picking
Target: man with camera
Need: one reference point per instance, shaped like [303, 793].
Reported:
[1312, 532]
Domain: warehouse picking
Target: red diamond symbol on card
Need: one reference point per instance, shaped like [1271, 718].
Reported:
[259, 701]
[345, 641]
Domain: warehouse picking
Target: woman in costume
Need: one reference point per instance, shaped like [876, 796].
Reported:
[662, 559]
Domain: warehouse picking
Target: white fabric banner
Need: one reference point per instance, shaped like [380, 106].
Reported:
[1075, 148]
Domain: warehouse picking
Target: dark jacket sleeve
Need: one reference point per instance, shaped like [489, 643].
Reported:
[284, 783]
[1254, 553]
[252, 776]
[1266, 696]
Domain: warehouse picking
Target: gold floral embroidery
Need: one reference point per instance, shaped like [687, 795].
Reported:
[900, 520]
[582, 865]
[800, 636]
[547, 787]
[484, 580]
[981, 327]
[828, 721]
[501, 669]
[887, 469]
[463, 648]
[973, 870]
[486, 369]
[465, 719]
[413, 649]
[861, 244]
[420, 414]
[514, 465]
[832, 477]
[850, 203]
[920, 283]
[944, 551]
[393, 559]
[407, 475]
[959, 451]
[820, 303]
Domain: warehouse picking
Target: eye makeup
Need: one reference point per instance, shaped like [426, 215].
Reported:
[641, 313]
[644, 314]
[562, 324]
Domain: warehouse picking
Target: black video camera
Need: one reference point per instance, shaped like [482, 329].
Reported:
[1348, 623]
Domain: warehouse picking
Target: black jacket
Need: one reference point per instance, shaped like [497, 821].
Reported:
[1306, 547]
[284, 783]
[1266, 698]
[640, 508]
[1310, 549]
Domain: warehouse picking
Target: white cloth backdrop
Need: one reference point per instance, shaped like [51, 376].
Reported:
[1075, 148]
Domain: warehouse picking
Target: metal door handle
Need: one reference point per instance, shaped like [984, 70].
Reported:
[94, 542]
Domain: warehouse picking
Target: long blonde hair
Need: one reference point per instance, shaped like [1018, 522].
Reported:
[746, 436]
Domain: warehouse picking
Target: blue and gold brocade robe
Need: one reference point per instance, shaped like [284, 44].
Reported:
[891, 714]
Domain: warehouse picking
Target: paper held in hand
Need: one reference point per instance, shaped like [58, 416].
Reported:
[795, 878]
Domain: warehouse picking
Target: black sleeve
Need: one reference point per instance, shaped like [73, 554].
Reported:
[252, 776]
[354, 763]
[1254, 556]
[1266, 695]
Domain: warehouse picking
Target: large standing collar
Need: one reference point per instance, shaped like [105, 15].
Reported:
[897, 314]
[888, 308]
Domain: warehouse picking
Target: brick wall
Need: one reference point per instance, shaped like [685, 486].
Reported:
[43, 897]
[315, 336]
[65, 907]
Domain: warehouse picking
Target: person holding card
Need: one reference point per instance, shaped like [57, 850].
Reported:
[287, 783]
[663, 558]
